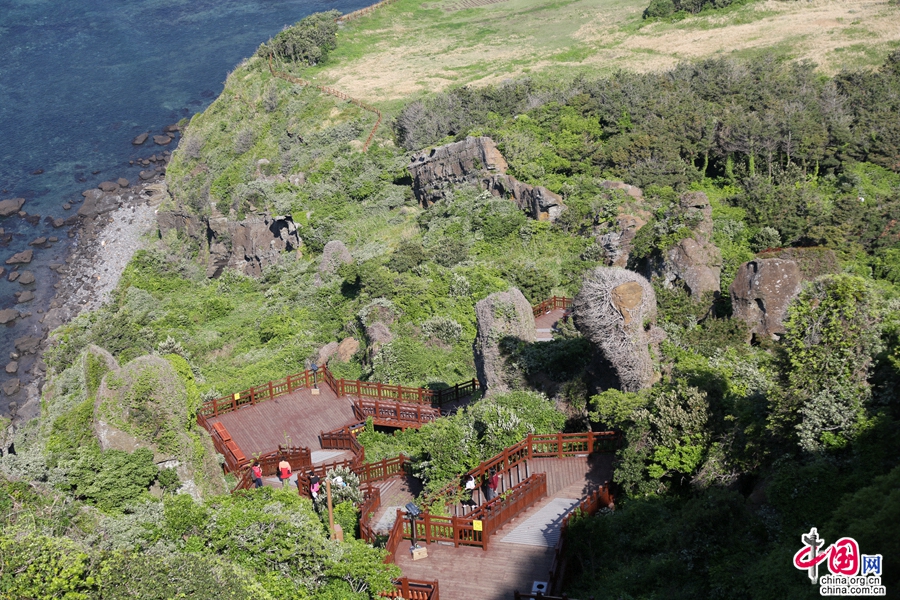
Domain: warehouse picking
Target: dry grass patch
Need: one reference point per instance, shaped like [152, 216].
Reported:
[412, 48]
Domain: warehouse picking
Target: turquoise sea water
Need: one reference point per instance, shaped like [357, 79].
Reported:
[80, 79]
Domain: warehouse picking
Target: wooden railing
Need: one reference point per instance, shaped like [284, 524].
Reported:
[255, 395]
[298, 457]
[552, 445]
[341, 387]
[370, 505]
[395, 414]
[411, 589]
[600, 498]
[554, 303]
[501, 510]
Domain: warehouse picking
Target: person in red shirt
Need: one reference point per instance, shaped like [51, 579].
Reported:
[256, 471]
[284, 472]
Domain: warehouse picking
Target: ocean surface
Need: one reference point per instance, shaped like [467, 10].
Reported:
[78, 81]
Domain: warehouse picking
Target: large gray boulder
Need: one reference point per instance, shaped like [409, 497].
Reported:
[537, 201]
[694, 261]
[477, 162]
[434, 172]
[247, 246]
[611, 311]
[500, 315]
[334, 255]
[761, 292]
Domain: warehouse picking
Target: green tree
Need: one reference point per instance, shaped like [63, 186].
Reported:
[832, 334]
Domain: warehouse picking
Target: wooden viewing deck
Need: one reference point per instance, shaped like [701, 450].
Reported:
[507, 566]
[544, 478]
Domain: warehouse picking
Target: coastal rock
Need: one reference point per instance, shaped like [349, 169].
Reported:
[249, 245]
[477, 161]
[140, 139]
[13, 275]
[57, 223]
[436, 171]
[631, 190]
[377, 335]
[762, 291]
[23, 297]
[147, 174]
[28, 344]
[161, 140]
[8, 315]
[12, 367]
[537, 201]
[38, 241]
[326, 352]
[123, 182]
[347, 348]
[98, 204]
[617, 245]
[26, 277]
[611, 311]
[20, 258]
[694, 261]
[11, 386]
[334, 255]
[500, 316]
[108, 186]
[11, 206]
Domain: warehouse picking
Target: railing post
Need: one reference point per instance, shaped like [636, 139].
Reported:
[271, 390]
[590, 442]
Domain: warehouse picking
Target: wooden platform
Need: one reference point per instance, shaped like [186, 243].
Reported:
[295, 419]
[468, 572]
[546, 323]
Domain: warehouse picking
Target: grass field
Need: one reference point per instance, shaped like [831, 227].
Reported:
[413, 47]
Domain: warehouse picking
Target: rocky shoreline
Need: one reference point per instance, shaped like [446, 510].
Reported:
[110, 226]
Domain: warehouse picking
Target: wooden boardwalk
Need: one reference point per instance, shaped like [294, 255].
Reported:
[295, 419]
[545, 324]
[468, 572]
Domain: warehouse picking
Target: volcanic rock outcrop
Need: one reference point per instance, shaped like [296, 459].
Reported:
[611, 311]
[334, 255]
[762, 291]
[477, 161]
[500, 315]
[694, 260]
[247, 246]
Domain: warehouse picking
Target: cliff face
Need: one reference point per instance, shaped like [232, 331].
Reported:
[478, 162]
[246, 246]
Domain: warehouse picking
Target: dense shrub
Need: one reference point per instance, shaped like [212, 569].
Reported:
[308, 41]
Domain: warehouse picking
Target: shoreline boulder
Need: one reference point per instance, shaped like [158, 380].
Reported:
[762, 290]
[501, 315]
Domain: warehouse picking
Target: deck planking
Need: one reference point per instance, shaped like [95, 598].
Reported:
[469, 572]
[294, 419]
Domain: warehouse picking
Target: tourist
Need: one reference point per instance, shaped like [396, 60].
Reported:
[470, 490]
[492, 484]
[256, 471]
[284, 471]
[314, 486]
